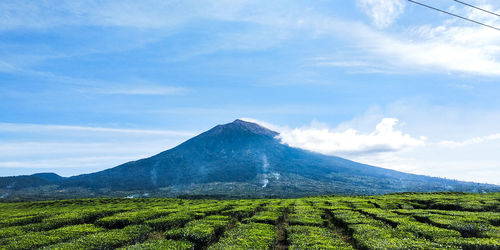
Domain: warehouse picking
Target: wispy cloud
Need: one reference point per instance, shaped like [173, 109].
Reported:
[73, 162]
[144, 90]
[148, 14]
[50, 14]
[7, 67]
[452, 46]
[382, 12]
[78, 149]
[441, 47]
[472, 141]
[354, 65]
[96, 86]
[326, 62]
[26, 127]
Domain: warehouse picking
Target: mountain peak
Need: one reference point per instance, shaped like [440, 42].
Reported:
[252, 127]
[239, 121]
[243, 126]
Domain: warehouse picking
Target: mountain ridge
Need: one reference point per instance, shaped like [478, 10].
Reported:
[239, 159]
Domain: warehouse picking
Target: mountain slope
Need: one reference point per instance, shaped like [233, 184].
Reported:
[243, 159]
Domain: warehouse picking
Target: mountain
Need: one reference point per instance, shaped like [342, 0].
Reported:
[50, 177]
[238, 159]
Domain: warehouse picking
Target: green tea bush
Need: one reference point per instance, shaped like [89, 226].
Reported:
[109, 239]
[38, 239]
[345, 218]
[12, 231]
[388, 217]
[209, 209]
[247, 236]
[269, 217]
[467, 226]
[311, 219]
[309, 237]
[360, 203]
[427, 231]
[492, 217]
[240, 212]
[470, 243]
[305, 215]
[271, 214]
[121, 220]
[170, 221]
[161, 245]
[200, 231]
[373, 237]
[72, 218]
[18, 221]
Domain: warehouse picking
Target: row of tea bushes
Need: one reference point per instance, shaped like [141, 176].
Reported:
[38, 239]
[201, 231]
[121, 220]
[271, 213]
[373, 228]
[305, 214]
[248, 236]
[108, 239]
[310, 237]
[161, 244]
[172, 221]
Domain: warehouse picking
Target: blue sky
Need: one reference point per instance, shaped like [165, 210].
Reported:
[87, 85]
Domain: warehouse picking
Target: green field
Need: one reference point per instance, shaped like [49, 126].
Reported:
[398, 221]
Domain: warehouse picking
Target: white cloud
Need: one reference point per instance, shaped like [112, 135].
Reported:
[453, 45]
[453, 148]
[443, 46]
[473, 50]
[444, 49]
[382, 12]
[385, 138]
[474, 159]
[475, 140]
[320, 138]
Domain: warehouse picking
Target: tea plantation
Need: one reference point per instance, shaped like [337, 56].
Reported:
[397, 221]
